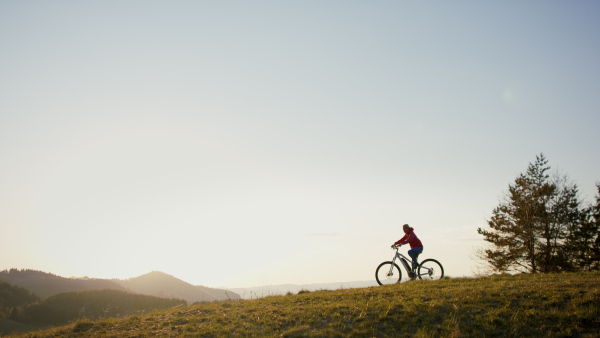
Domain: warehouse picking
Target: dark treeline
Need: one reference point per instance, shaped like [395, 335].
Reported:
[46, 284]
[26, 273]
[92, 304]
[542, 226]
[12, 296]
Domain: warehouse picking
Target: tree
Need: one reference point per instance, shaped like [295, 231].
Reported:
[583, 241]
[561, 216]
[528, 229]
[596, 215]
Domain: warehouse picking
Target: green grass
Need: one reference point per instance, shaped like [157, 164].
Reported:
[522, 305]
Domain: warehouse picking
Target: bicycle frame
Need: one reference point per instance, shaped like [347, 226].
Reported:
[405, 263]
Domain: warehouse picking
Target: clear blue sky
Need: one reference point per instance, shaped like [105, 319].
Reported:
[267, 142]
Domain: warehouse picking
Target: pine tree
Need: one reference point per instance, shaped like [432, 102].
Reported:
[596, 215]
[562, 215]
[583, 241]
[529, 228]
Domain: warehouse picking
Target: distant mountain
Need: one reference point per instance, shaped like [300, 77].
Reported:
[282, 289]
[46, 284]
[160, 284]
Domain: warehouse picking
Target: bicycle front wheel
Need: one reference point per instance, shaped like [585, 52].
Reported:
[430, 269]
[388, 273]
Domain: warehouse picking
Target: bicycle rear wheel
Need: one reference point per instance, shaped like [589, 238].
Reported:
[430, 269]
[388, 273]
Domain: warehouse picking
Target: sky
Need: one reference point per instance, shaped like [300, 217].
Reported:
[236, 144]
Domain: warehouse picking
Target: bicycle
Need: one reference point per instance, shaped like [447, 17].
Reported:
[389, 272]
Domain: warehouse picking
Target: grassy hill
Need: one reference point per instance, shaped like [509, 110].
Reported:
[521, 305]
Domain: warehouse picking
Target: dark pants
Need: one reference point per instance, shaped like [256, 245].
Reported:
[414, 253]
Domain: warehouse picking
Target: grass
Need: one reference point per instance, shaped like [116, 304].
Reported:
[521, 305]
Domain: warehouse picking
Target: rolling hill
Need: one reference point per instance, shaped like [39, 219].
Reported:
[91, 304]
[163, 285]
[528, 305]
[12, 296]
[158, 284]
[46, 284]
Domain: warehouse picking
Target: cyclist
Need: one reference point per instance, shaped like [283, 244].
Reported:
[416, 247]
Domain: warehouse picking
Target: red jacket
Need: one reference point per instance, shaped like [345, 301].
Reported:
[411, 239]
